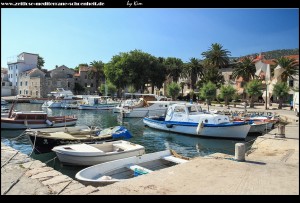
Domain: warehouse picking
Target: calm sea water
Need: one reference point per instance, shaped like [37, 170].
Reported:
[152, 140]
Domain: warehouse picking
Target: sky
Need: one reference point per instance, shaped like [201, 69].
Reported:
[71, 36]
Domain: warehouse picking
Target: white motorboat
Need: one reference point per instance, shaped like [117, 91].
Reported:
[150, 108]
[189, 119]
[122, 169]
[92, 154]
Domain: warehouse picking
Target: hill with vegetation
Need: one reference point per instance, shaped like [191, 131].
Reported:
[278, 53]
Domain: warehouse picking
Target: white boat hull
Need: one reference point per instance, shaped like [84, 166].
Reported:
[140, 113]
[99, 107]
[23, 125]
[235, 132]
[97, 175]
[93, 157]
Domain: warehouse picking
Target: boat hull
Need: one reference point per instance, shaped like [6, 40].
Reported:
[140, 113]
[68, 159]
[118, 169]
[34, 124]
[238, 131]
[45, 145]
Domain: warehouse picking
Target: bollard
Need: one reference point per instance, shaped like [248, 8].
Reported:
[240, 150]
[281, 131]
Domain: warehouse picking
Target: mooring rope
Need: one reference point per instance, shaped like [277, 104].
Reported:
[33, 147]
[22, 134]
[10, 159]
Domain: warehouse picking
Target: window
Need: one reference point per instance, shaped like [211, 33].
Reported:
[16, 75]
[291, 83]
[85, 77]
[16, 67]
[230, 77]
[20, 83]
[3, 84]
[85, 84]
[92, 84]
[37, 93]
[26, 83]
[68, 84]
[20, 91]
[32, 83]
[179, 109]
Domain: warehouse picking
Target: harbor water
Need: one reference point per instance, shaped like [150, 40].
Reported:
[152, 140]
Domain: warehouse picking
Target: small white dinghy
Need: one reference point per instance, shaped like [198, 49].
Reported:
[122, 169]
[91, 154]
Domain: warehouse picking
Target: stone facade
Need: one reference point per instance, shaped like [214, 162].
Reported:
[86, 80]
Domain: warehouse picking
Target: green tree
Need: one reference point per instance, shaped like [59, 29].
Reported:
[193, 70]
[227, 92]
[217, 56]
[173, 90]
[290, 66]
[211, 74]
[281, 90]
[40, 62]
[174, 67]
[135, 67]
[254, 89]
[208, 91]
[182, 86]
[111, 89]
[131, 89]
[245, 69]
[97, 71]
[78, 88]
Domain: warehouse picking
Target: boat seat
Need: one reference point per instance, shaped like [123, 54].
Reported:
[134, 167]
[174, 159]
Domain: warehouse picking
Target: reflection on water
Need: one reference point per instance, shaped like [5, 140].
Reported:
[152, 140]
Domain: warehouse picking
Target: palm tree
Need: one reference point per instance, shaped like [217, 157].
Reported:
[182, 86]
[245, 69]
[192, 70]
[290, 66]
[217, 56]
[99, 71]
[254, 89]
[281, 90]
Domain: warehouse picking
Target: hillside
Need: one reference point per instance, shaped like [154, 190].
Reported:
[278, 53]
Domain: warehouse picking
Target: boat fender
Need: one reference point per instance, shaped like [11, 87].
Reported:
[49, 123]
[169, 125]
[200, 127]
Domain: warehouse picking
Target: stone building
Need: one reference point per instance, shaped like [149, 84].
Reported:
[38, 83]
[87, 80]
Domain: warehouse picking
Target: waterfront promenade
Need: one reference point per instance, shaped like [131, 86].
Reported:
[271, 167]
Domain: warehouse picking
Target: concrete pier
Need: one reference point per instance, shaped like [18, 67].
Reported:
[21, 175]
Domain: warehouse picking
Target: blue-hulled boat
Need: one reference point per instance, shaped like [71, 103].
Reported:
[190, 119]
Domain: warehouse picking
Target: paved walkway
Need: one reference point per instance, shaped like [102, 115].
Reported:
[272, 168]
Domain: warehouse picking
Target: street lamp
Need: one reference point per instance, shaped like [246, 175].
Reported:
[266, 101]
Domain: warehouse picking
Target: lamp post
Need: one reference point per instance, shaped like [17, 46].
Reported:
[267, 83]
